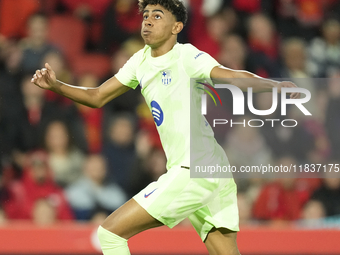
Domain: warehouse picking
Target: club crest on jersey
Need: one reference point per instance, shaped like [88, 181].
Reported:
[166, 77]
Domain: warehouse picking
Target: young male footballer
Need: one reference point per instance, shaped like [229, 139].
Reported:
[163, 69]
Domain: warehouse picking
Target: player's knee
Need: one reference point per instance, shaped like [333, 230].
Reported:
[109, 240]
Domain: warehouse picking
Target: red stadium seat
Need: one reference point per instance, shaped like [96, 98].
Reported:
[96, 64]
[14, 16]
[68, 34]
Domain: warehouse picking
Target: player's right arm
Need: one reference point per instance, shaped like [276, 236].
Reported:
[92, 97]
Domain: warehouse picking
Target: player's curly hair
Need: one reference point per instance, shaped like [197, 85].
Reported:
[176, 7]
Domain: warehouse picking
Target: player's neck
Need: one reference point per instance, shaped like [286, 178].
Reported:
[162, 49]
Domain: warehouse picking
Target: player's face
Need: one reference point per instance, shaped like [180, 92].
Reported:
[158, 25]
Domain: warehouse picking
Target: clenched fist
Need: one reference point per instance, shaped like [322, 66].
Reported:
[45, 78]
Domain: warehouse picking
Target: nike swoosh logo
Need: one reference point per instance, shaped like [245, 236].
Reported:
[147, 195]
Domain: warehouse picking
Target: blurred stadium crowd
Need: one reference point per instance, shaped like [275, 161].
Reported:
[61, 160]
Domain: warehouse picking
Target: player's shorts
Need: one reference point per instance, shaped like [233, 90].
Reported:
[207, 202]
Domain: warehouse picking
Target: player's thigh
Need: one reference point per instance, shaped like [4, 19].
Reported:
[220, 212]
[175, 196]
[222, 241]
[130, 219]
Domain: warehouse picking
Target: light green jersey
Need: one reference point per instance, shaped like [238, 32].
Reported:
[165, 84]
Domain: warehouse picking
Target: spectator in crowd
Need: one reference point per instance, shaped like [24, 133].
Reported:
[253, 187]
[120, 22]
[199, 11]
[325, 51]
[245, 146]
[7, 122]
[86, 9]
[65, 159]
[44, 213]
[244, 207]
[295, 59]
[2, 138]
[128, 101]
[140, 173]
[34, 114]
[310, 14]
[332, 121]
[329, 192]
[296, 68]
[10, 77]
[283, 198]
[92, 192]
[98, 217]
[286, 16]
[246, 8]
[119, 149]
[149, 165]
[35, 46]
[3, 217]
[58, 62]
[313, 214]
[216, 28]
[156, 163]
[36, 183]
[300, 18]
[282, 140]
[263, 43]
[233, 53]
[91, 118]
[10, 56]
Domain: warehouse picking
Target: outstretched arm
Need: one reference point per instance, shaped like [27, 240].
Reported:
[244, 79]
[92, 97]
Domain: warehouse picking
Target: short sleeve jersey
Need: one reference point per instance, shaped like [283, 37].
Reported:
[165, 84]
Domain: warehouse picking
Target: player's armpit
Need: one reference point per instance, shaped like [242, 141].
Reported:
[111, 89]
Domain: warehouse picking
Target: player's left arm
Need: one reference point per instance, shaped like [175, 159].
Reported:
[244, 79]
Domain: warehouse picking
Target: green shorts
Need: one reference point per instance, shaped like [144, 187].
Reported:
[207, 202]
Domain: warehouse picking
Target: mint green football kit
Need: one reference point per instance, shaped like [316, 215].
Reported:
[165, 85]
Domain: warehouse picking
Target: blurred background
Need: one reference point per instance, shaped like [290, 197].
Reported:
[64, 162]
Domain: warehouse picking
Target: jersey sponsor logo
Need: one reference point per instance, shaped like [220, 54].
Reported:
[147, 195]
[198, 55]
[157, 113]
[166, 77]
[140, 82]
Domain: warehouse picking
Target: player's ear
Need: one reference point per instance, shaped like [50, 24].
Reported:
[177, 28]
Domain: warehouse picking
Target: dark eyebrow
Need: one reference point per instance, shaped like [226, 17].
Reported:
[157, 10]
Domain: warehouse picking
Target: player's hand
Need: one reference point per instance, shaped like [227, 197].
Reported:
[288, 84]
[45, 78]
